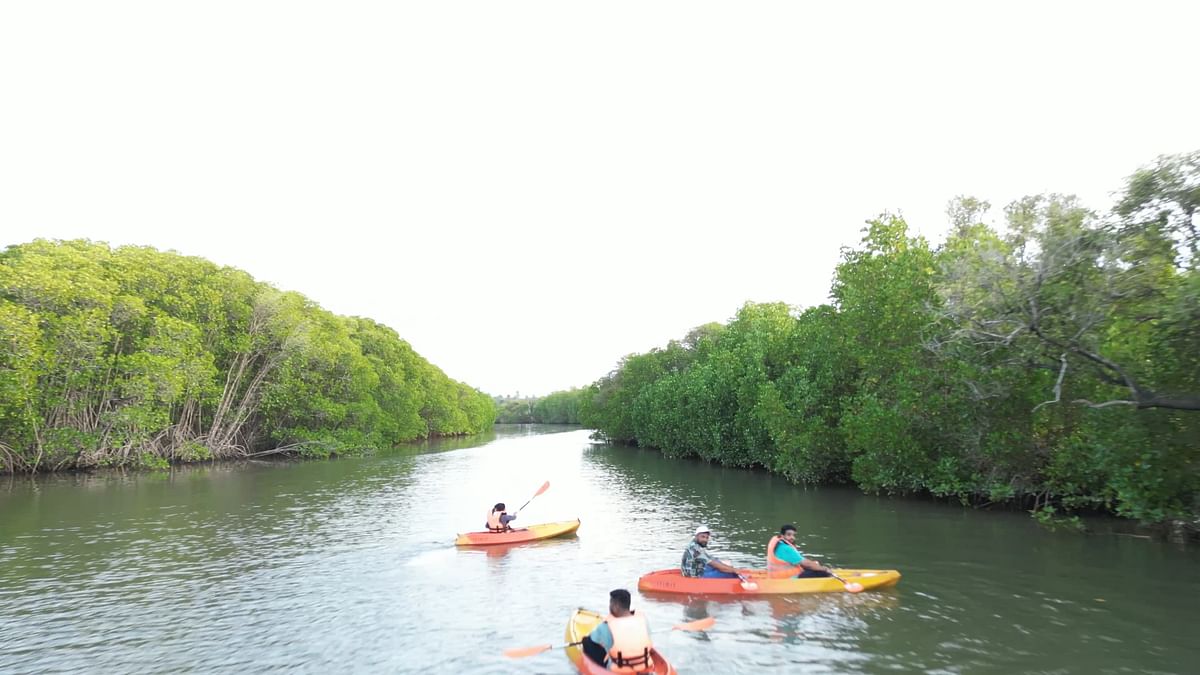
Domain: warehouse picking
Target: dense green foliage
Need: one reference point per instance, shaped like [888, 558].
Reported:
[561, 407]
[1054, 362]
[131, 356]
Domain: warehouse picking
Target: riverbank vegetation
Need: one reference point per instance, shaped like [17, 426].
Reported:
[560, 407]
[1052, 360]
[135, 357]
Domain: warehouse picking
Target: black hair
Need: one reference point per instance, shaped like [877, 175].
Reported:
[498, 507]
[621, 596]
[783, 530]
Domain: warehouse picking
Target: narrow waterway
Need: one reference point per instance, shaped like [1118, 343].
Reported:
[349, 566]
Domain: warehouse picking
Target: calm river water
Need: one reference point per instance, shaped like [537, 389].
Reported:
[349, 566]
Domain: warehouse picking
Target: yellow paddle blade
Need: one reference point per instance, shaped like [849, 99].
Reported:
[522, 652]
[699, 624]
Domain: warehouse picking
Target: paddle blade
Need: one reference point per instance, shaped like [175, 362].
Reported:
[699, 624]
[545, 486]
[747, 585]
[854, 587]
[520, 653]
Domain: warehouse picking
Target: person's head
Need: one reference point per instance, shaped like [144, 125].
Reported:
[788, 533]
[703, 534]
[618, 602]
[498, 507]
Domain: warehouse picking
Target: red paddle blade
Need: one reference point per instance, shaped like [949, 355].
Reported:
[854, 587]
[545, 486]
[522, 652]
[699, 624]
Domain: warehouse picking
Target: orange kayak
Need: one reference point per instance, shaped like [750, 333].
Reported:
[531, 533]
[582, 622]
[672, 581]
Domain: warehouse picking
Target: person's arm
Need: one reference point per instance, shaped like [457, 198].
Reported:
[791, 555]
[593, 650]
[810, 564]
[719, 565]
[506, 519]
[597, 643]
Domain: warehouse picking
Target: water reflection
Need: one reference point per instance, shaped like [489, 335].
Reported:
[782, 606]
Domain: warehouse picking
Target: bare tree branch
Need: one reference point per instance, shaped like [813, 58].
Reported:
[1106, 404]
[1058, 384]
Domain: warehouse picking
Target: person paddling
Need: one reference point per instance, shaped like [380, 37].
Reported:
[498, 519]
[622, 641]
[784, 560]
[698, 562]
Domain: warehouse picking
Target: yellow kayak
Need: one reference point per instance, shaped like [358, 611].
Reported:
[581, 623]
[673, 581]
[531, 533]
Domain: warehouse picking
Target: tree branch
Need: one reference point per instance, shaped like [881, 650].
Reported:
[1106, 404]
[1062, 372]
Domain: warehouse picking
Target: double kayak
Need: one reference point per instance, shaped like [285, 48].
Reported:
[582, 622]
[531, 533]
[672, 581]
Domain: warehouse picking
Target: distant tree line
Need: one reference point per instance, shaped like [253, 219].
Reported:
[561, 407]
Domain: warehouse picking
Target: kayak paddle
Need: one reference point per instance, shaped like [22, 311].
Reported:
[747, 585]
[698, 624]
[851, 586]
[522, 652]
[545, 486]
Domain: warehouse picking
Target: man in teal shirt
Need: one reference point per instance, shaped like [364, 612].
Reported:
[785, 550]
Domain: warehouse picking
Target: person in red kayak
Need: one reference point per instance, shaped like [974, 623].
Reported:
[622, 641]
[698, 562]
[498, 519]
[784, 560]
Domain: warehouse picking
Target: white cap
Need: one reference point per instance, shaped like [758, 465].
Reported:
[702, 529]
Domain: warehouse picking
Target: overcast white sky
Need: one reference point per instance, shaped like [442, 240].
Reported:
[528, 191]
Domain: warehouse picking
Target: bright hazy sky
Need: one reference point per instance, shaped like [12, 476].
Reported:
[528, 191]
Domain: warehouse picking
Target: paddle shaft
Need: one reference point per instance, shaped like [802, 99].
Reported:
[545, 486]
[746, 583]
[829, 571]
[534, 651]
[854, 587]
